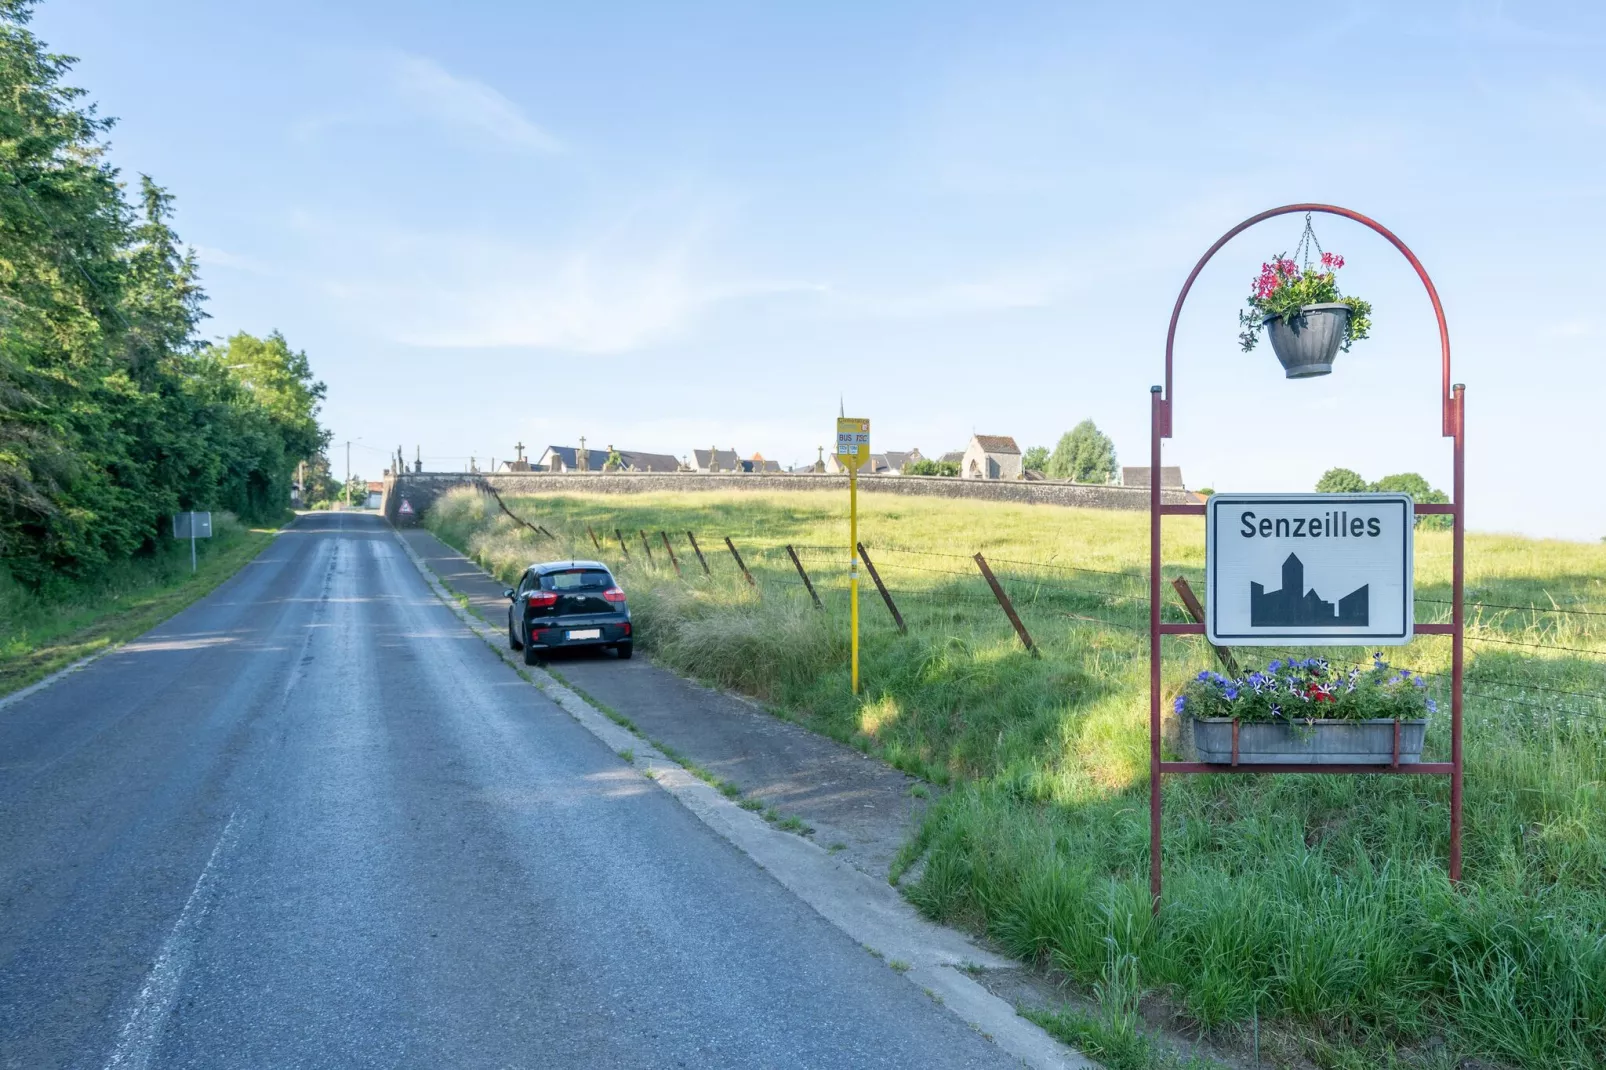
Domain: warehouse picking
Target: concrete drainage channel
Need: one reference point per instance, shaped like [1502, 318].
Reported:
[934, 958]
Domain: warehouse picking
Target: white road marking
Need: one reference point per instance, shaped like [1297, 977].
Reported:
[136, 1043]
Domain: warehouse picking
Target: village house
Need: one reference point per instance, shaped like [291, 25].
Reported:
[717, 460]
[898, 460]
[991, 457]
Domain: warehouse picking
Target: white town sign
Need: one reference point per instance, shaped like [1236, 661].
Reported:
[1309, 569]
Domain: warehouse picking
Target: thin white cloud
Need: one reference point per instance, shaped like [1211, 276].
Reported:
[644, 281]
[210, 256]
[466, 104]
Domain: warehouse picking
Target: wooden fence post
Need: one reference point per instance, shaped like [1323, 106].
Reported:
[594, 541]
[1003, 600]
[647, 546]
[700, 558]
[673, 560]
[739, 562]
[1196, 611]
[799, 565]
[886, 596]
[622, 547]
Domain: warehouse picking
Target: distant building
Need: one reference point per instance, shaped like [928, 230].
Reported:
[376, 494]
[717, 460]
[897, 460]
[637, 461]
[757, 463]
[568, 459]
[1170, 477]
[952, 457]
[991, 457]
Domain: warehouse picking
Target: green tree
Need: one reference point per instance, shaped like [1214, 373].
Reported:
[927, 467]
[356, 491]
[1035, 459]
[112, 412]
[1420, 491]
[1084, 454]
[1340, 481]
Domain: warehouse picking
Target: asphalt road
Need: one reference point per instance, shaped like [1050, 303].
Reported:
[312, 822]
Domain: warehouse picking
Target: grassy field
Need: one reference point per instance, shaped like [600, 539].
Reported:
[1315, 907]
[40, 634]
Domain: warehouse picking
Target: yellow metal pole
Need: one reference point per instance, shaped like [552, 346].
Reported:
[853, 568]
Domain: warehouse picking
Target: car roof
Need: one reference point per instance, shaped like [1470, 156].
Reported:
[543, 567]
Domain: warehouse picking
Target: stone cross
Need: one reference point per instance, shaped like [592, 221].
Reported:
[520, 448]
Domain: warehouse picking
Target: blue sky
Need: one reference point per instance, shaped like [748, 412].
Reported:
[670, 225]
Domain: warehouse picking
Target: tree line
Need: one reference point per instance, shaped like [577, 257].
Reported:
[114, 412]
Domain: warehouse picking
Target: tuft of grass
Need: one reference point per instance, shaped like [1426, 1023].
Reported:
[900, 965]
[1318, 904]
[628, 754]
[751, 804]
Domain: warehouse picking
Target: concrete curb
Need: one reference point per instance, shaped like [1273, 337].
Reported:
[869, 911]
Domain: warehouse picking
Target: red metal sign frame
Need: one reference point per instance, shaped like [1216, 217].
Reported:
[1452, 399]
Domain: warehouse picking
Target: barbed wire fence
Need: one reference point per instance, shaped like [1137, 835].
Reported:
[926, 589]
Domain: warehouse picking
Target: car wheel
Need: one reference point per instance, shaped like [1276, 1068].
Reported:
[532, 656]
[625, 650]
[512, 637]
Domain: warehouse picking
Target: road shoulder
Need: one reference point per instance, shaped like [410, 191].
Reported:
[869, 910]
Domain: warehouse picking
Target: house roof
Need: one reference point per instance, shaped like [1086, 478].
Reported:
[571, 457]
[649, 462]
[996, 443]
[1170, 477]
[728, 460]
[897, 460]
[952, 456]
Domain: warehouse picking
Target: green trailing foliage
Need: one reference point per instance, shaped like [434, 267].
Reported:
[113, 413]
[1283, 288]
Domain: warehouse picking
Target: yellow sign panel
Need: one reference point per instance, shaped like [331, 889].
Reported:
[852, 441]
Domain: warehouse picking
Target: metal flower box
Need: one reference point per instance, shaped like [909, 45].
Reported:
[1223, 741]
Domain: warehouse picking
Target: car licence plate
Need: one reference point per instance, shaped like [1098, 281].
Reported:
[586, 633]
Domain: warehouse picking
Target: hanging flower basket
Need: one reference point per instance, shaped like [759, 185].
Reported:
[1299, 305]
[1306, 713]
[1307, 340]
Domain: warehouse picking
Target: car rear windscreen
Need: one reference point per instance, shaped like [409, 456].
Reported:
[579, 579]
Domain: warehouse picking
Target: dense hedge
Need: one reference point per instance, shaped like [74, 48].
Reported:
[113, 412]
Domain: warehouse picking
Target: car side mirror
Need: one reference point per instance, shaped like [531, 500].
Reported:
[507, 592]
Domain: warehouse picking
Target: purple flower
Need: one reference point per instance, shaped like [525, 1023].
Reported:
[1180, 704]
[1433, 707]
[1204, 674]
[1232, 693]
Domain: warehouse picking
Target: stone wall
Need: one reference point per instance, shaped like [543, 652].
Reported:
[420, 489]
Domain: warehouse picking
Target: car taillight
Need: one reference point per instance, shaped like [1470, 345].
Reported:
[614, 594]
[543, 599]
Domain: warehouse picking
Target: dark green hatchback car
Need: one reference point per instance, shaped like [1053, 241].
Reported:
[561, 604]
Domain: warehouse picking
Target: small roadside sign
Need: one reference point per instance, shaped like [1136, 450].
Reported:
[405, 509]
[192, 526]
[852, 441]
[1309, 569]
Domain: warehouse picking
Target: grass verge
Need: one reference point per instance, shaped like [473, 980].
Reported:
[1317, 905]
[42, 634]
